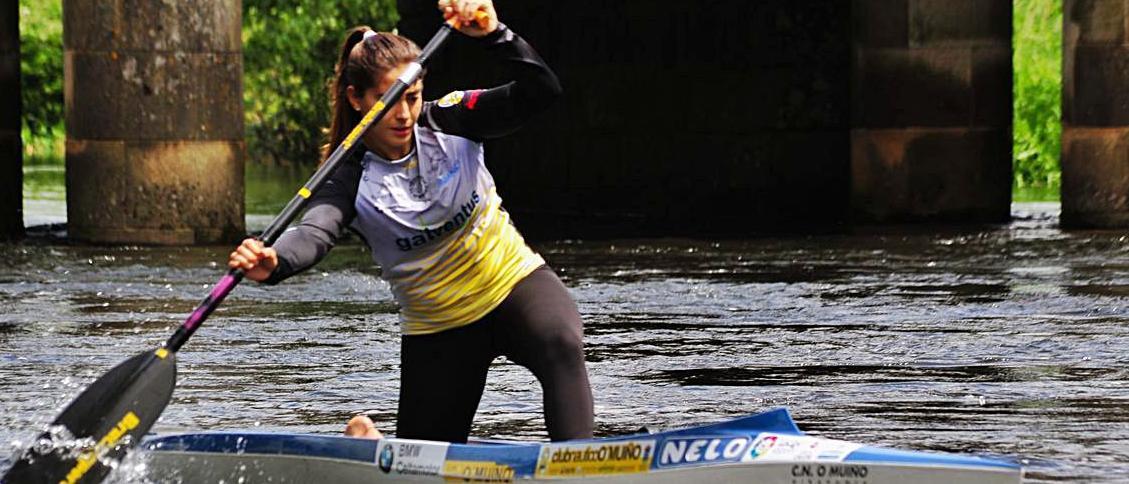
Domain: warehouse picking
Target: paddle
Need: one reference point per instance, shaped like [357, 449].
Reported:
[92, 434]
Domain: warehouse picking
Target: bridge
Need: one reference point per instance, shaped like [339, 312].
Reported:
[726, 117]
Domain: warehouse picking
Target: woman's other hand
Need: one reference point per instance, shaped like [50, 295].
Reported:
[257, 262]
[467, 13]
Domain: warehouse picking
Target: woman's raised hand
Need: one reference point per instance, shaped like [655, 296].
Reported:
[257, 262]
[470, 16]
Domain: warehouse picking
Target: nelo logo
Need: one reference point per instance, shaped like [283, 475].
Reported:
[677, 452]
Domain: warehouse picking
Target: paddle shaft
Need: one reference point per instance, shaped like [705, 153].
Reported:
[343, 151]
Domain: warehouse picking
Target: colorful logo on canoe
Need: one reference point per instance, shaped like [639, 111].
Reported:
[783, 447]
[385, 459]
[574, 460]
[701, 450]
[763, 445]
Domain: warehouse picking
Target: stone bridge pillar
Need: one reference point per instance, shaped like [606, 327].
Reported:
[11, 151]
[1095, 114]
[931, 110]
[154, 121]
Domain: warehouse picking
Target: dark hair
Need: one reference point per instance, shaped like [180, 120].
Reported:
[361, 66]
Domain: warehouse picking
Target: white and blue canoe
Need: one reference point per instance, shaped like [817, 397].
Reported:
[763, 448]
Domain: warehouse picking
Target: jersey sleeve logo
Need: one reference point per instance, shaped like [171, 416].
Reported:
[472, 99]
[451, 99]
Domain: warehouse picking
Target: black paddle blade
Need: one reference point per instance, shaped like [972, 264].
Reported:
[101, 424]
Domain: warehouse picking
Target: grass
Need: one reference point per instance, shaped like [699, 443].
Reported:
[1041, 193]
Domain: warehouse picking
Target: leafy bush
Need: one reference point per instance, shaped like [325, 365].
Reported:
[1038, 94]
[41, 80]
[289, 48]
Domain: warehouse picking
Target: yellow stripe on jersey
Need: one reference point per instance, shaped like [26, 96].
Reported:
[468, 276]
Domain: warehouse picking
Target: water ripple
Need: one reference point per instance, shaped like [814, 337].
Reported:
[1004, 341]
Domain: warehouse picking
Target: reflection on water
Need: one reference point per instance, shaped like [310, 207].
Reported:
[268, 188]
[1002, 341]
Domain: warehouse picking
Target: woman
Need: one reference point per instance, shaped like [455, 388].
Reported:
[469, 287]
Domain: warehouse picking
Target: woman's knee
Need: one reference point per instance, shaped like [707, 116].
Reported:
[563, 345]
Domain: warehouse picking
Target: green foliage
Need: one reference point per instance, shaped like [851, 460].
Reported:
[289, 49]
[41, 79]
[1038, 94]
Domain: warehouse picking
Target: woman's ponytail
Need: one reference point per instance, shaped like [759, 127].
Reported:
[343, 117]
[366, 56]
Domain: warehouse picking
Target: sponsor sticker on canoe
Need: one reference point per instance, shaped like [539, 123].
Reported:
[477, 471]
[411, 457]
[491, 463]
[594, 458]
[688, 451]
[784, 447]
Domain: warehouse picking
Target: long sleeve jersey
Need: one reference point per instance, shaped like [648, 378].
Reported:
[433, 219]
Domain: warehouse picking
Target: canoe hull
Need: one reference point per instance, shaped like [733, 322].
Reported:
[764, 448]
[201, 467]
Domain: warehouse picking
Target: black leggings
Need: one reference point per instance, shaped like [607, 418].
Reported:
[537, 326]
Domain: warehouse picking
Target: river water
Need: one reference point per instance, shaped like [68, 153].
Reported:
[1004, 341]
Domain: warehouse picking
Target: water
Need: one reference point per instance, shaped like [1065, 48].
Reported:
[1007, 341]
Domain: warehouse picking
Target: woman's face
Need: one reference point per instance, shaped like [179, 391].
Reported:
[391, 138]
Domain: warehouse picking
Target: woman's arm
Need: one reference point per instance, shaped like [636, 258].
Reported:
[300, 247]
[490, 113]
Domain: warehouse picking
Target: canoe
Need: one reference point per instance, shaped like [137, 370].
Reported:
[762, 448]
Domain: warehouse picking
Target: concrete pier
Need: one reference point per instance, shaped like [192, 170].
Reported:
[154, 121]
[11, 149]
[1095, 114]
[931, 111]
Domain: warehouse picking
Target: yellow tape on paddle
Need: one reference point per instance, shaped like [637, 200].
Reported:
[87, 459]
[356, 132]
